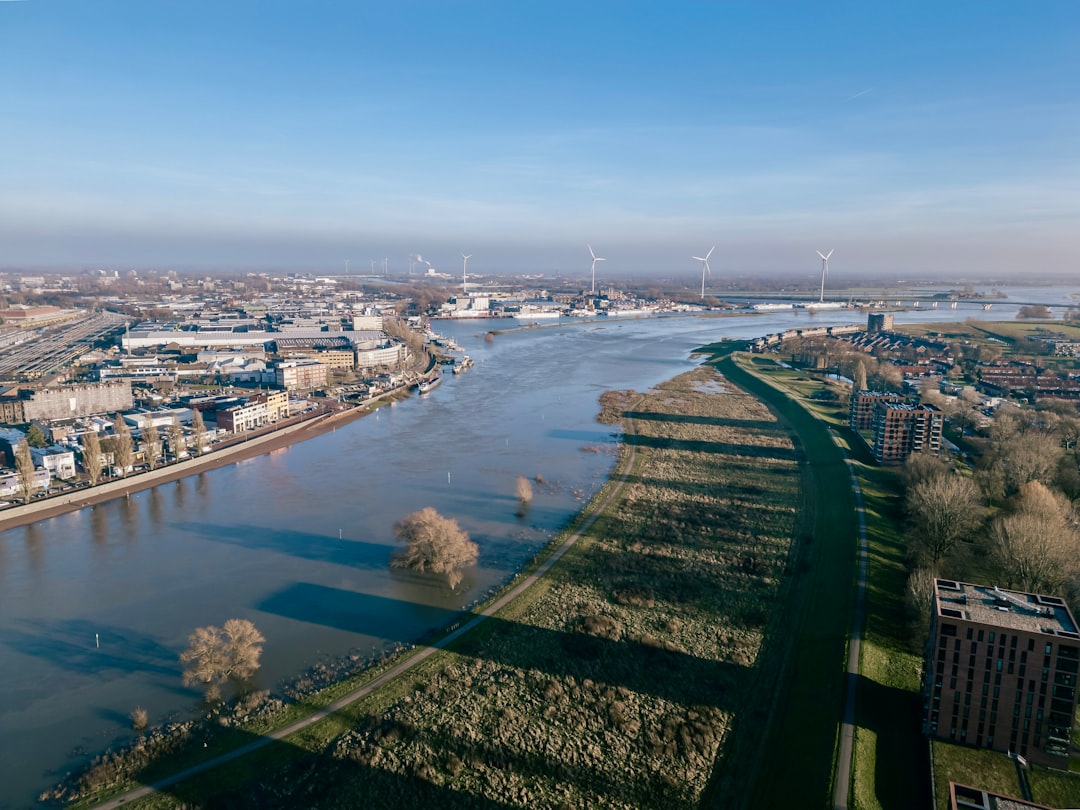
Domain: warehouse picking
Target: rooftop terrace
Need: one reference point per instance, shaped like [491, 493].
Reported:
[997, 607]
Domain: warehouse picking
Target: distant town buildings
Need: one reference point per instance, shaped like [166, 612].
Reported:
[1000, 671]
[877, 322]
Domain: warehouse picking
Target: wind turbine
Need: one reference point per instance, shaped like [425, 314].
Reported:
[704, 267]
[346, 267]
[595, 259]
[824, 271]
[465, 272]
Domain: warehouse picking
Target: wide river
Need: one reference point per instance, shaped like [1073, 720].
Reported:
[96, 605]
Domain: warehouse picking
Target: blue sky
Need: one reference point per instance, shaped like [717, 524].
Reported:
[918, 138]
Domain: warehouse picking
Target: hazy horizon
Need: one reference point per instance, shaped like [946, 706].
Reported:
[922, 140]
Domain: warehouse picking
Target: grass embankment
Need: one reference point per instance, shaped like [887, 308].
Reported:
[620, 678]
[890, 768]
[798, 763]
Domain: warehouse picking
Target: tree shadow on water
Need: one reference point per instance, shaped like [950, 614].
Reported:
[307, 546]
[72, 644]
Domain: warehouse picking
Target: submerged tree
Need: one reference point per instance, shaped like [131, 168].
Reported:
[217, 655]
[434, 543]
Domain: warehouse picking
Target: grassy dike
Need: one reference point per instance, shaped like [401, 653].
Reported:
[797, 763]
[638, 672]
[889, 768]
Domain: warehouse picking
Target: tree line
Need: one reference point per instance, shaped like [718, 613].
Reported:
[1012, 517]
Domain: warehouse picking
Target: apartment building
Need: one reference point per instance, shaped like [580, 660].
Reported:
[900, 430]
[300, 375]
[1000, 671]
[862, 404]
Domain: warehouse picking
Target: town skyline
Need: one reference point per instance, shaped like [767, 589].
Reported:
[923, 140]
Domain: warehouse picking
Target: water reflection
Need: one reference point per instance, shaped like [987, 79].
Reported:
[129, 517]
[155, 506]
[261, 540]
[35, 542]
[99, 526]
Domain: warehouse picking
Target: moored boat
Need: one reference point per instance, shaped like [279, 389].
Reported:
[426, 385]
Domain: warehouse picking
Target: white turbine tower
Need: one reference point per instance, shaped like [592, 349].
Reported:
[824, 271]
[704, 267]
[595, 259]
[465, 272]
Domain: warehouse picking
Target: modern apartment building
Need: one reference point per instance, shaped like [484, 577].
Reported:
[900, 430]
[1000, 671]
[862, 404]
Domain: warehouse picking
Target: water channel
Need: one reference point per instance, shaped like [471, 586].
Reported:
[96, 605]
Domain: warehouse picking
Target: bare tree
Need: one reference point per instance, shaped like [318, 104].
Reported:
[92, 456]
[920, 599]
[1029, 456]
[123, 447]
[1035, 548]
[151, 438]
[175, 435]
[216, 655]
[921, 467]
[435, 543]
[25, 474]
[198, 431]
[524, 490]
[943, 511]
[860, 376]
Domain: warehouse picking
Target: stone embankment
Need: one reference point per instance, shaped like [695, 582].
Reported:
[245, 446]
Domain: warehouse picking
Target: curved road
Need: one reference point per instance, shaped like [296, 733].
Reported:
[404, 666]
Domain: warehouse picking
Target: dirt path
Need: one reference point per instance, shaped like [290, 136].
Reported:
[595, 511]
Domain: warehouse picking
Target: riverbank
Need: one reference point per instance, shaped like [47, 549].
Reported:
[244, 447]
[617, 679]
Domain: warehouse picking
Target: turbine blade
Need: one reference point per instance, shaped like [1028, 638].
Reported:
[822, 255]
[707, 255]
[831, 253]
[591, 251]
[698, 258]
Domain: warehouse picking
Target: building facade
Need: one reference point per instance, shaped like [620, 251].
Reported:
[900, 430]
[75, 401]
[247, 416]
[277, 404]
[300, 375]
[862, 404]
[879, 322]
[1000, 671]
